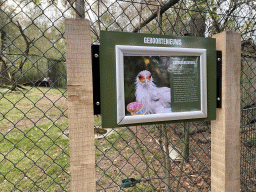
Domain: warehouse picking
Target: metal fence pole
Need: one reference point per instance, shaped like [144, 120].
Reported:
[225, 140]
[80, 105]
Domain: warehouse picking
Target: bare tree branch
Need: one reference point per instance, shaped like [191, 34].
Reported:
[236, 5]
[79, 4]
[72, 5]
[3, 77]
[26, 51]
[177, 17]
[229, 12]
[82, 16]
[164, 8]
[3, 59]
[3, 47]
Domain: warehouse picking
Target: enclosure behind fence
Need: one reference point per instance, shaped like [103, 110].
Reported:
[34, 139]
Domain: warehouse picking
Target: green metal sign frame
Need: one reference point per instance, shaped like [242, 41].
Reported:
[183, 66]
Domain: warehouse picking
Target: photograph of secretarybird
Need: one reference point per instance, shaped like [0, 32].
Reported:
[155, 99]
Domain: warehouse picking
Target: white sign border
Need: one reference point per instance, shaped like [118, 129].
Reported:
[122, 50]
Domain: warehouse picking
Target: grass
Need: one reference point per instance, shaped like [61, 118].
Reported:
[34, 153]
[35, 157]
[32, 103]
[97, 120]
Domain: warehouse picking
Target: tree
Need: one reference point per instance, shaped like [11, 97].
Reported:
[3, 56]
[12, 71]
[49, 41]
[227, 15]
[8, 30]
[3, 17]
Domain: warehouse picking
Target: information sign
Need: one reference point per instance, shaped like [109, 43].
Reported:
[156, 79]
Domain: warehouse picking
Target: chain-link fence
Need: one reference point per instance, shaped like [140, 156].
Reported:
[248, 116]
[34, 152]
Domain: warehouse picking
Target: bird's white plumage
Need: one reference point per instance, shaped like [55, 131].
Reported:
[155, 99]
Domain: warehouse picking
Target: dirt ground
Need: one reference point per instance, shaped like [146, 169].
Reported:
[123, 158]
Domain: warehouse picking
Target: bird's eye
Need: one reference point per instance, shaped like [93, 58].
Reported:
[141, 78]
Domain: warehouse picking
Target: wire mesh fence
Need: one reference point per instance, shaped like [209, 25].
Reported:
[248, 117]
[156, 158]
[34, 144]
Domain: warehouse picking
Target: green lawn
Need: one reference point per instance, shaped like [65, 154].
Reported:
[35, 158]
[32, 103]
[34, 153]
[34, 147]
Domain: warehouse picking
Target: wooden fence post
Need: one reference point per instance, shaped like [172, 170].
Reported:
[80, 105]
[225, 130]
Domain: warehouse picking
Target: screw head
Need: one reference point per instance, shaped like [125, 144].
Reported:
[218, 99]
[96, 55]
[97, 103]
[219, 59]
